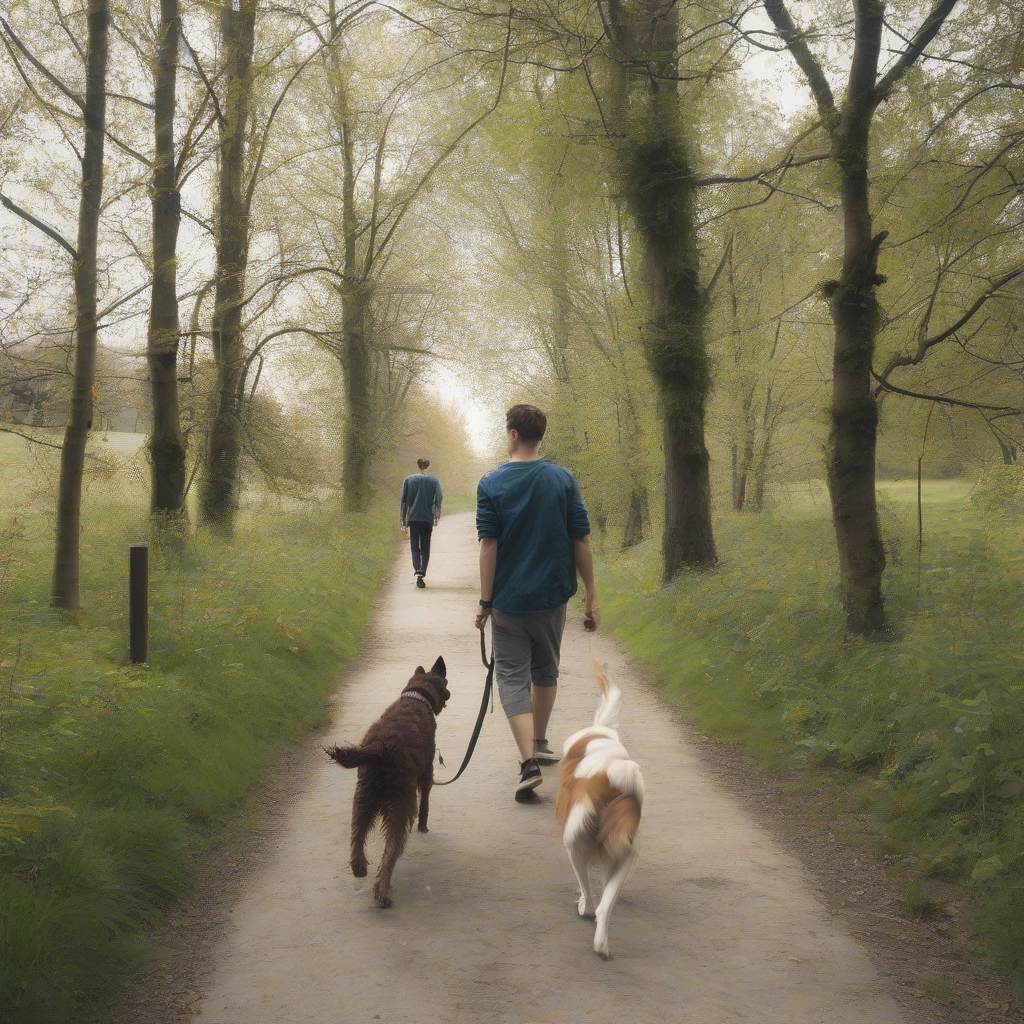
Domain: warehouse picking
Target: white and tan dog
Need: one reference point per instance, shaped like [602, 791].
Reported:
[600, 794]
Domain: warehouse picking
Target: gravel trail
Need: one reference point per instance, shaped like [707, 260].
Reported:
[717, 924]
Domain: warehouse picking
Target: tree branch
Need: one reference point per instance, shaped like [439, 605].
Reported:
[796, 43]
[29, 437]
[726, 253]
[44, 71]
[926, 344]
[944, 399]
[454, 144]
[758, 176]
[925, 34]
[36, 223]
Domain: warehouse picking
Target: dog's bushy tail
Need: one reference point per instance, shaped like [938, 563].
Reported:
[619, 823]
[611, 700]
[356, 757]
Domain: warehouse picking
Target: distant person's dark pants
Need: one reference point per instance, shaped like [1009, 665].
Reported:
[419, 540]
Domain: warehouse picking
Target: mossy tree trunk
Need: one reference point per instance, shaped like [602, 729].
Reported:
[218, 496]
[658, 185]
[166, 443]
[64, 583]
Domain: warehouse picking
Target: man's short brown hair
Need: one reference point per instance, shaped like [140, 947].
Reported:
[528, 421]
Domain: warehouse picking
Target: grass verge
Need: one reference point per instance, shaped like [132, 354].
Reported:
[112, 777]
[925, 729]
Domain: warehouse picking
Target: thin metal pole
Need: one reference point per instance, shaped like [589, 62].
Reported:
[138, 604]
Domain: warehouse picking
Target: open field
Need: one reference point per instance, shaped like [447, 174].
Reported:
[113, 777]
[923, 731]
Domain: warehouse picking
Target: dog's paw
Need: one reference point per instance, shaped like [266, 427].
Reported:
[382, 901]
[584, 908]
[359, 868]
[422, 828]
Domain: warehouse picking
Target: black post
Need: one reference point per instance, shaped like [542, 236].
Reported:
[138, 604]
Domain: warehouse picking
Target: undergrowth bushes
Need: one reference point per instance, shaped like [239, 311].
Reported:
[928, 724]
[113, 777]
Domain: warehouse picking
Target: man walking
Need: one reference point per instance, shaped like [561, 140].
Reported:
[534, 538]
[420, 512]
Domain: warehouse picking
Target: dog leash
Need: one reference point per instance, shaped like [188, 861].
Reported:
[480, 717]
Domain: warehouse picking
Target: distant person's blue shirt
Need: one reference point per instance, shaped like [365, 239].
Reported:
[535, 511]
[421, 499]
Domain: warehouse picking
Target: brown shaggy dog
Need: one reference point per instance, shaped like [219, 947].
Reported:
[395, 759]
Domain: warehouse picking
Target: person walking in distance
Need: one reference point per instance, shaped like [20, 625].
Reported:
[421, 510]
[534, 539]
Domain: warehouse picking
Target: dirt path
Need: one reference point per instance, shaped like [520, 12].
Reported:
[717, 924]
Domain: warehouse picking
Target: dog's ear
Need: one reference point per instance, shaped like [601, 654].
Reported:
[438, 669]
[419, 671]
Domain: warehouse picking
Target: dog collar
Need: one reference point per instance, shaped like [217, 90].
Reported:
[416, 695]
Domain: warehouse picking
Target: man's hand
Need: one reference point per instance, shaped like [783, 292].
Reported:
[488, 564]
[585, 567]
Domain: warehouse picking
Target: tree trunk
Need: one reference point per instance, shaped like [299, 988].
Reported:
[64, 589]
[737, 493]
[359, 396]
[218, 498]
[659, 191]
[739, 483]
[166, 444]
[768, 424]
[356, 295]
[688, 540]
[743, 460]
[850, 453]
[638, 516]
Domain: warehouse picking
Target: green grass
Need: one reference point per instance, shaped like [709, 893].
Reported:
[456, 503]
[925, 730]
[113, 778]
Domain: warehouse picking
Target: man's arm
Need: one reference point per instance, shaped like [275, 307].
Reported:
[403, 510]
[585, 567]
[488, 563]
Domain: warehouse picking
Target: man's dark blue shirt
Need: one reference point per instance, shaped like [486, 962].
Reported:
[421, 499]
[535, 511]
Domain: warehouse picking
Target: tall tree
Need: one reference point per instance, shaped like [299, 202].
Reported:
[852, 299]
[658, 187]
[369, 221]
[166, 443]
[218, 496]
[64, 589]
[64, 582]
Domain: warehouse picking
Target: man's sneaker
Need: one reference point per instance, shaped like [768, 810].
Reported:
[529, 779]
[419, 582]
[544, 754]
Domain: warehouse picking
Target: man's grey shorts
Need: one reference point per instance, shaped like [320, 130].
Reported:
[527, 646]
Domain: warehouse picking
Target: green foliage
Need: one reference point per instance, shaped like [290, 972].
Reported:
[113, 777]
[1000, 490]
[918, 902]
[926, 727]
